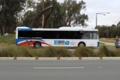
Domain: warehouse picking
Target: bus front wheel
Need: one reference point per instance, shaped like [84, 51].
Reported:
[81, 44]
[37, 44]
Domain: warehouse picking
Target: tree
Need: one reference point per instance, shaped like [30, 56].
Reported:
[9, 14]
[55, 17]
[58, 17]
[28, 17]
[118, 25]
[72, 13]
[108, 31]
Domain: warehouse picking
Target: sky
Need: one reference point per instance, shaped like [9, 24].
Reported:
[101, 6]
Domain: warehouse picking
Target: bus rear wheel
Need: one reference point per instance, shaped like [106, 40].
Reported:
[37, 44]
[82, 44]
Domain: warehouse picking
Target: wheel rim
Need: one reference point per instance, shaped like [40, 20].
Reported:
[37, 45]
[81, 45]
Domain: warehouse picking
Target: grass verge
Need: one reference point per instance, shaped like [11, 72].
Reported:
[108, 41]
[7, 40]
[101, 43]
[23, 51]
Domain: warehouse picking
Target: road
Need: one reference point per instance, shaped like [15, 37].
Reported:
[60, 70]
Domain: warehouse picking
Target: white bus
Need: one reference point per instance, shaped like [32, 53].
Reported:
[63, 36]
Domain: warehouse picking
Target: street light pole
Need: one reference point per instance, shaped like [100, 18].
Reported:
[103, 13]
[96, 20]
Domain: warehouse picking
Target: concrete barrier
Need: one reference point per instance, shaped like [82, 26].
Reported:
[25, 58]
[61, 58]
[28, 58]
[19, 58]
[75, 58]
[111, 58]
[90, 58]
[47, 58]
[69, 58]
[6, 58]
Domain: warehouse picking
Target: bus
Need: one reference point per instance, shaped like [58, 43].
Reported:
[63, 37]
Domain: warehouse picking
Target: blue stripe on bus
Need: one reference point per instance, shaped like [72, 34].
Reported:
[25, 29]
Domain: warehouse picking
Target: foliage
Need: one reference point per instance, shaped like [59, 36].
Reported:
[84, 52]
[8, 40]
[9, 14]
[108, 31]
[54, 20]
[53, 52]
[105, 52]
[63, 14]
[23, 51]
[72, 12]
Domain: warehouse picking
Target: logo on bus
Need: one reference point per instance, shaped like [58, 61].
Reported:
[62, 42]
[72, 43]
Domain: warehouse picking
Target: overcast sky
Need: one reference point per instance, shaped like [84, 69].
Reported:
[98, 6]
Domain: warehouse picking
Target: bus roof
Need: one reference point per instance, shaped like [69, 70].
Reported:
[61, 28]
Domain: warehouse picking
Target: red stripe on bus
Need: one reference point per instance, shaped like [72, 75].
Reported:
[24, 43]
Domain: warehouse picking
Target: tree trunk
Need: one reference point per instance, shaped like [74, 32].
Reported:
[43, 17]
[69, 22]
[42, 20]
[12, 30]
[64, 19]
[2, 30]
[51, 23]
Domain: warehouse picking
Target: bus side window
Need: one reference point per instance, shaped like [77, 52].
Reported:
[86, 35]
[91, 36]
[94, 35]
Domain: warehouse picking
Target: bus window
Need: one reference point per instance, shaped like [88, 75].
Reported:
[86, 35]
[94, 35]
[91, 36]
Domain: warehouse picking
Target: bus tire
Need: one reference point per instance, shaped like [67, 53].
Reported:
[81, 44]
[37, 44]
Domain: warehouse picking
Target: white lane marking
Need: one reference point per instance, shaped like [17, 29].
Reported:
[58, 67]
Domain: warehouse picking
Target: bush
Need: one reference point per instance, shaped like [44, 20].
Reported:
[63, 52]
[23, 51]
[117, 52]
[84, 52]
[104, 52]
[17, 51]
[53, 52]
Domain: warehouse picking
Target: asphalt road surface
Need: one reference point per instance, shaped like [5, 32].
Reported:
[60, 70]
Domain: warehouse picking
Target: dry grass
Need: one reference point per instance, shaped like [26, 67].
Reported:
[23, 51]
[84, 52]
